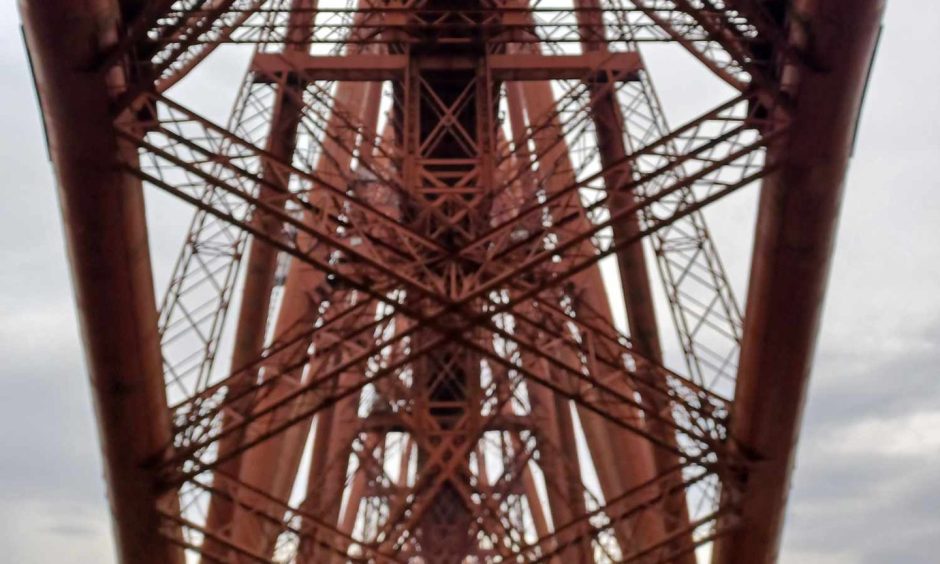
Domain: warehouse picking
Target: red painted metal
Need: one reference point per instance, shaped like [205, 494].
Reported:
[103, 213]
[798, 212]
[634, 274]
[423, 312]
[261, 268]
[503, 67]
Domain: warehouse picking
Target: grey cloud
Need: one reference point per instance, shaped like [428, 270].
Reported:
[908, 381]
[878, 506]
[72, 530]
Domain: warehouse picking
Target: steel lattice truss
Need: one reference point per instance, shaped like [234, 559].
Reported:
[409, 206]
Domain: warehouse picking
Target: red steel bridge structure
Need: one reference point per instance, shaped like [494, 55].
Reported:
[391, 335]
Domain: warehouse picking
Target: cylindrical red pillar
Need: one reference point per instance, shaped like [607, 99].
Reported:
[798, 211]
[106, 233]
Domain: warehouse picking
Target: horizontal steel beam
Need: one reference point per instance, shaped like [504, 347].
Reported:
[516, 67]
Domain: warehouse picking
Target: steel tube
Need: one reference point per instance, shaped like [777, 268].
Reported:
[271, 466]
[106, 234]
[260, 270]
[635, 283]
[798, 212]
[635, 463]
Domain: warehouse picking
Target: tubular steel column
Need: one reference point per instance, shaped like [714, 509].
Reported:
[337, 428]
[622, 459]
[271, 466]
[798, 212]
[551, 416]
[261, 265]
[634, 274]
[337, 425]
[106, 233]
[560, 473]
[561, 468]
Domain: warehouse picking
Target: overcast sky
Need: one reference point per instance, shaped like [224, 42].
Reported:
[866, 487]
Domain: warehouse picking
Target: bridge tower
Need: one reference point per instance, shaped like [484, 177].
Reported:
[439, 253]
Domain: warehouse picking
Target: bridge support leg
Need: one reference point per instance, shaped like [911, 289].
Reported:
[260, 271]
[106, 233]
[798, 210]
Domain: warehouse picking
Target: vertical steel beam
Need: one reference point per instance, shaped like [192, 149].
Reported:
[325, 441]
[332, 440]
[337, 428]
[575, 483]
[561, 468]
[272, 465]
[634, 273]
[622, 459]
[261, 265]
[798, 211]
[106, 234]
[562, 506]
[609, 124]
[336, 425]
[357, 491]
[560, 473]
